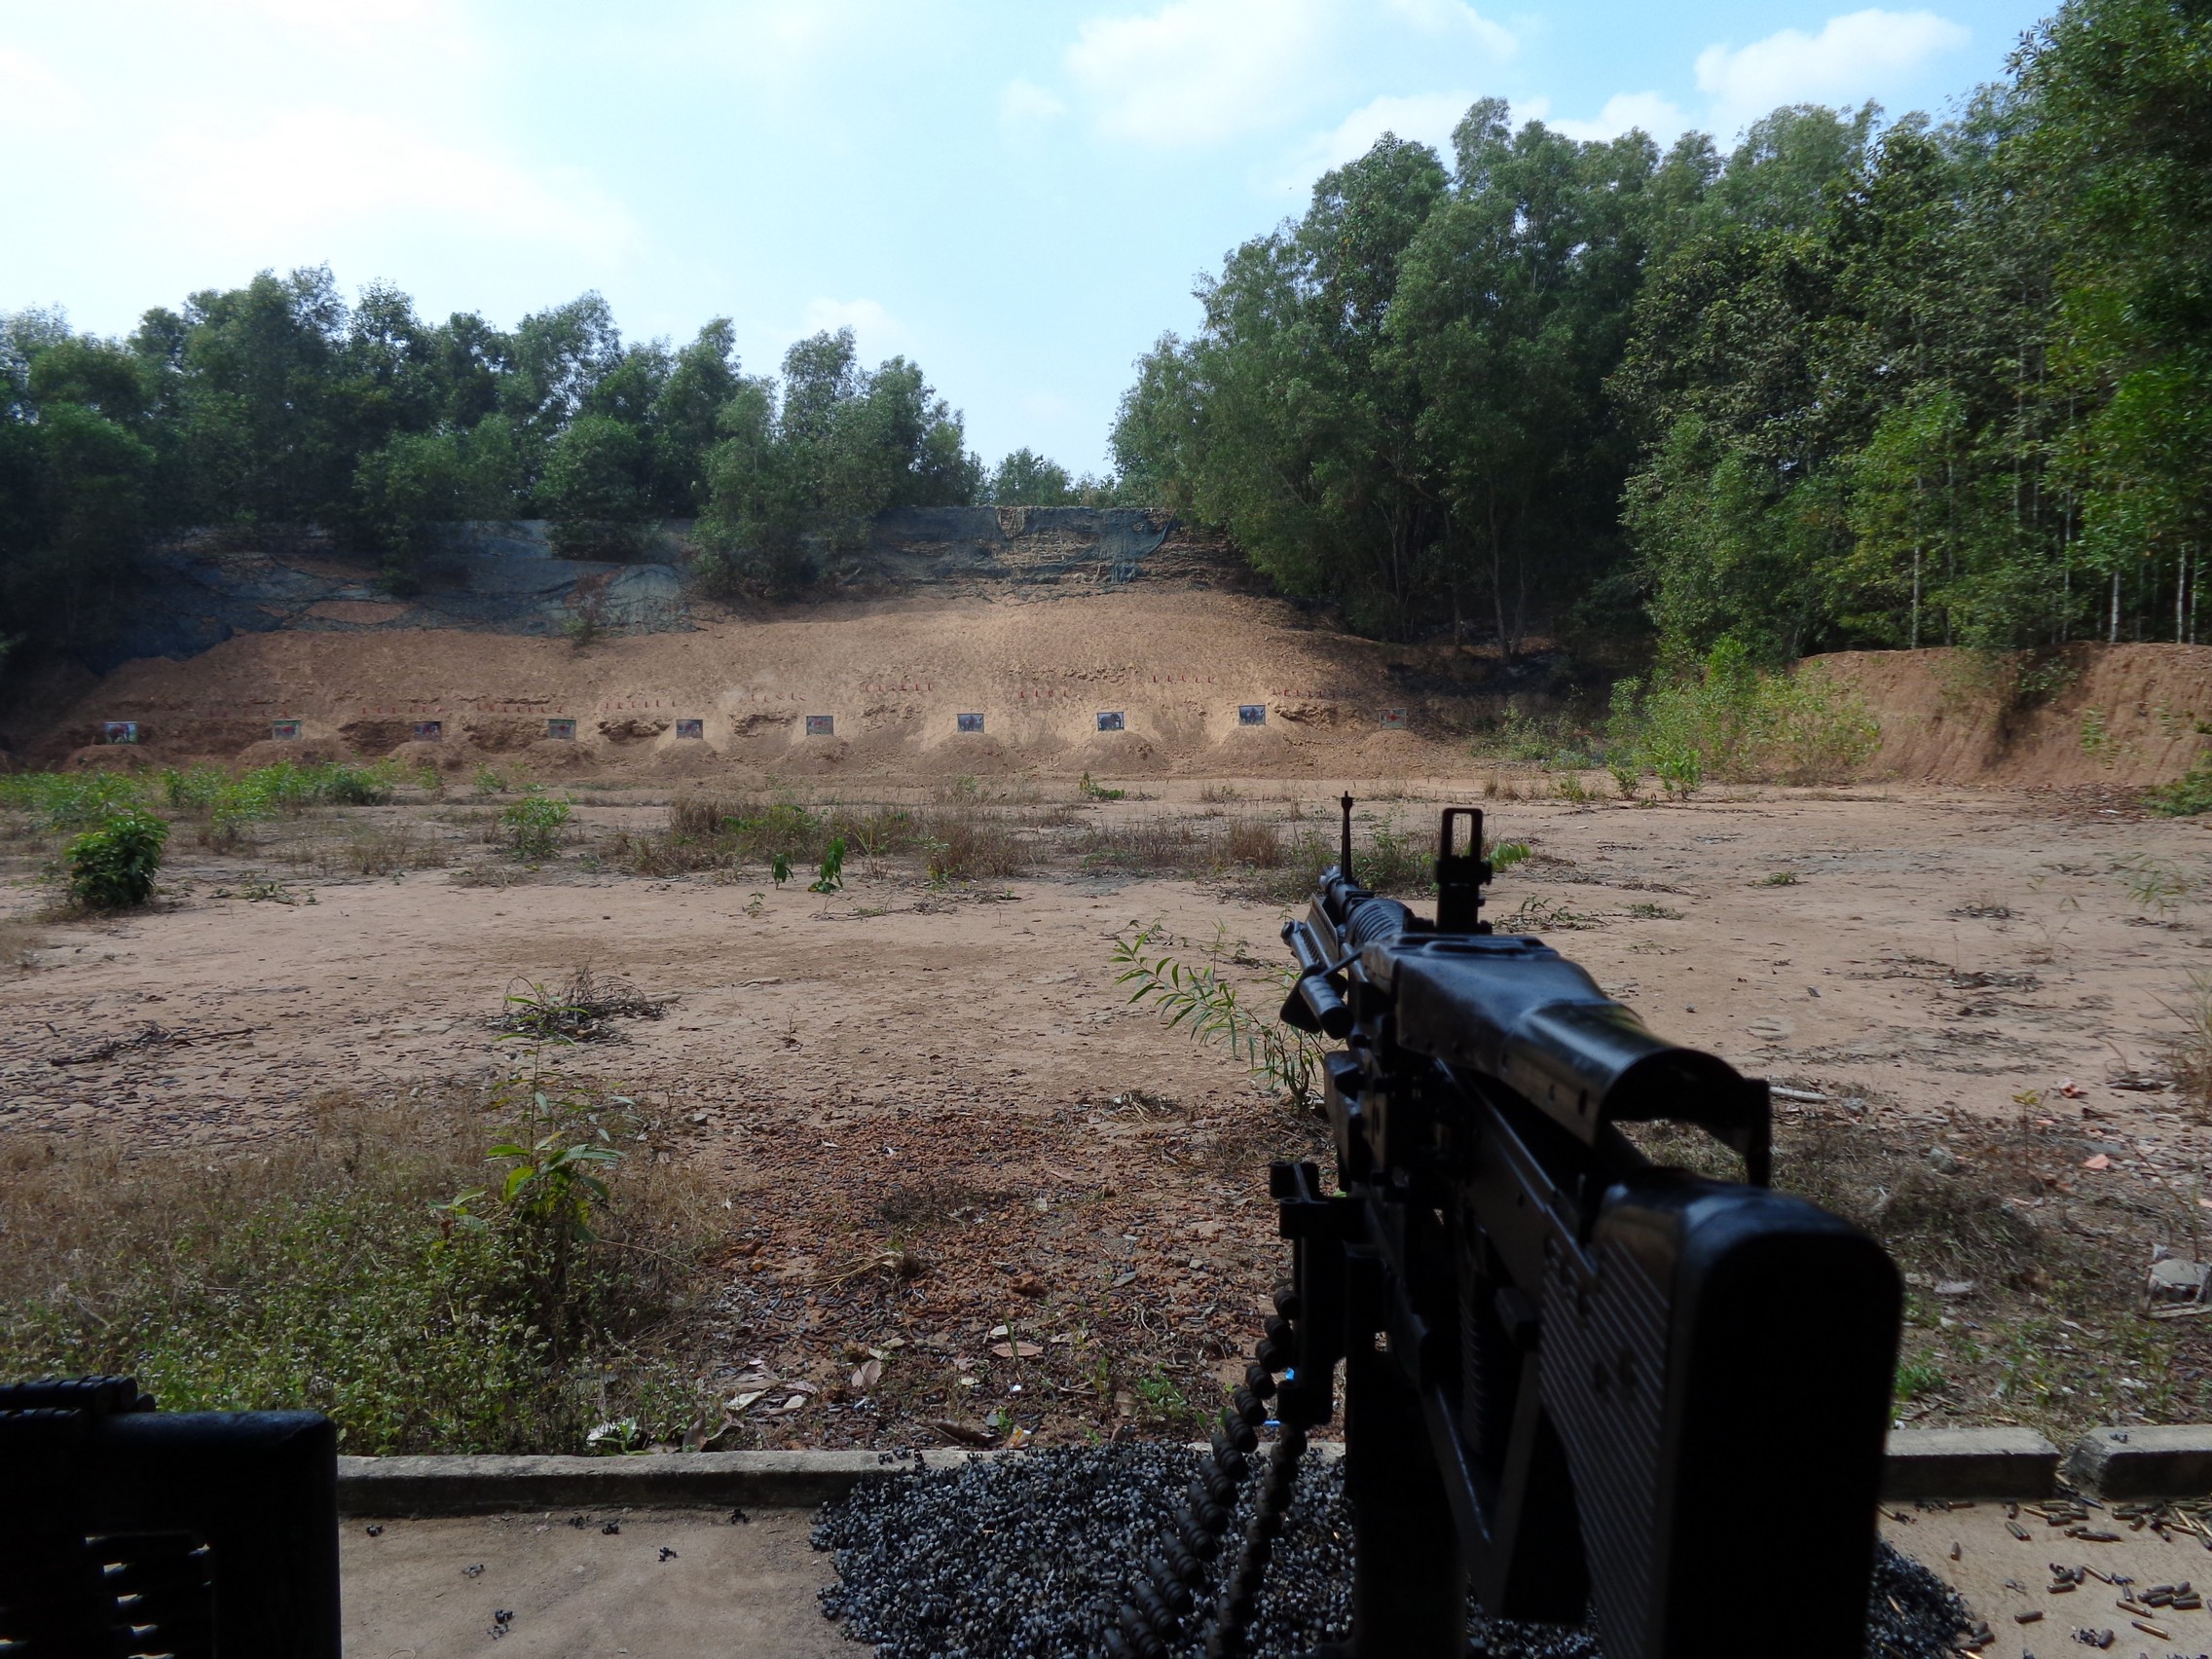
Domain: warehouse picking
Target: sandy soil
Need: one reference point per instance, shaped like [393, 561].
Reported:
[891, 675]
[956, 1074]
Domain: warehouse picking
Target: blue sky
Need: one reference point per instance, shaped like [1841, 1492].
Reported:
[1017, 196]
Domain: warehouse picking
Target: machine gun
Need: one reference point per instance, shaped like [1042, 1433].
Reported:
[194, 1534]
[1574, 1380]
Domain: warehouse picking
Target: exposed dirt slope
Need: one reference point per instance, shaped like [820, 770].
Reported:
[2121, 714]
[892, 674]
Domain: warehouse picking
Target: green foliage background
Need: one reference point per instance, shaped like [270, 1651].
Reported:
[1855, 381]
[1853, 384]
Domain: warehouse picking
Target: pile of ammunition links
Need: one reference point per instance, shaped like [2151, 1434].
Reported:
[1030, 1556]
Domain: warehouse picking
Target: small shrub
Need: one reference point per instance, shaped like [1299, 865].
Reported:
[1504, 855]
[1098, 792]
[533, 826]
[1728, 719]
[2187, 795]
[113, 867]
[830, 875]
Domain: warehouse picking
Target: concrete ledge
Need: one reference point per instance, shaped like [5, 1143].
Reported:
[1969, 1462]
[2144, 1462]
[696, 1480]
[1923, 1463]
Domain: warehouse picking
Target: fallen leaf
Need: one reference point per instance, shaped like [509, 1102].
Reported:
[2100, 1161]
[869, 1376]
[1016, 1351]
[739, 1402]
[1000, 1331]
[967, 1433]
[1018, 1438]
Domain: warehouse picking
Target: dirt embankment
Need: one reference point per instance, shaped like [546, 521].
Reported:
[2127, 716]
[1201, 682]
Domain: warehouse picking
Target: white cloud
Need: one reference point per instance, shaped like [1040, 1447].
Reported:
[873, 325]
[1425, 117]
[1198, 71]
[1025, 104]
[313, 171]
[1454, 17]
[1853, 57]
[1649, 111]
[32, 94]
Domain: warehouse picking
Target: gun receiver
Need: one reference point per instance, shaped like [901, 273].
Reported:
[1574, 1380]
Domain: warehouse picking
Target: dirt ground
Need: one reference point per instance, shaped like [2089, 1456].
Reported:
[933, 1114]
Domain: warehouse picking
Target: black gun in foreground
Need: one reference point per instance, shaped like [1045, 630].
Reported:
[1574, 1381]
[129, 1530]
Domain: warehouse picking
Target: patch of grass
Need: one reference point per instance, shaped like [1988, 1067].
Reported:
[1778, 878]
[1253, 842]
[2155, 886]
[70, 800]
[314, 1272]
[1645, 912]
[2186, 796]
[1726, 718]
[1919, 1376]
[967, 845]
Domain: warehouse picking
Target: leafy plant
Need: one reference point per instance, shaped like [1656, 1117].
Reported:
[113, 867]
[534, 826]
[831, 875]
[1098, 792]
[1197, 1000]
[552, 1182]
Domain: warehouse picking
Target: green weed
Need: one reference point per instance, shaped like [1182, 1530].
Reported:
[1197, 999]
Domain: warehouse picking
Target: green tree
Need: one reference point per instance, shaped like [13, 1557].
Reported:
[1026, 479]
[595, 488]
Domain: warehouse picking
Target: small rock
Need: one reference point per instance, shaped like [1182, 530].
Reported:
[1942, 1161]
[1954, 1287]
[2177, 1278]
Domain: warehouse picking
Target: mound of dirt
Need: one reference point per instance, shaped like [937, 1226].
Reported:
[852, 688]
[2126, 716]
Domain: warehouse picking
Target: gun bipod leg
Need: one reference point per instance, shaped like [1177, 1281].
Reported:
[1408, 1585]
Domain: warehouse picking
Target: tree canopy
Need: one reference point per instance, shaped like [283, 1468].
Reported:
[1855, 383]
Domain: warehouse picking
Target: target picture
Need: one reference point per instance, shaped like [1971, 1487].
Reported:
[1251, 714]
[821, 725]
[1394, 720]
[119, 731]
[429, 731]
[1110, 719]
[564, 730]
[284, 731]
[691, 728]
[968, 722]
